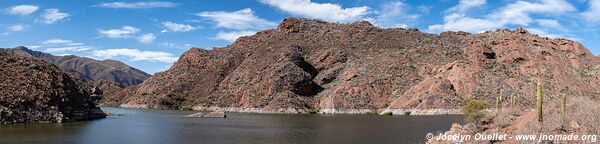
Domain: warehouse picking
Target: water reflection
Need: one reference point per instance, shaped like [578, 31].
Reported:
[155, 126]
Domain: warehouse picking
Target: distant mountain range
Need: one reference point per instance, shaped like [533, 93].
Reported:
[89, 69]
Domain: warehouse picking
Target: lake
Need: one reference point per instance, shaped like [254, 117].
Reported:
[143, 126]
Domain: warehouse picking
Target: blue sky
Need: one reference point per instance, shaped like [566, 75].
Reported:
[150, 35]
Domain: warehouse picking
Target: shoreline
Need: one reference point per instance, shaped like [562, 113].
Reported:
[321, 111]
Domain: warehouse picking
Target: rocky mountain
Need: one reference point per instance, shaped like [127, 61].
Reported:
[307, 65]
[34, 90]
[89, 69]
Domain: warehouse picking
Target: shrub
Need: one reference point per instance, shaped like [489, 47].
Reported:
[388, 114]
[313, 111]
[407, 113]
[474, 110]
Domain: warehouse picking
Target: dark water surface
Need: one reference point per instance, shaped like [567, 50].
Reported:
[140, 126]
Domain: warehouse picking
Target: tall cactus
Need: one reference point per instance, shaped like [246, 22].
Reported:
[497, 103]
[563, 104]
[501, 96]
[512, 101]
[539, 102]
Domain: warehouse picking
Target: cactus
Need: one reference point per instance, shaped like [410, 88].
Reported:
[512, 101]
[563, 104]
[539, 102]
[498, 103]
[501, 95]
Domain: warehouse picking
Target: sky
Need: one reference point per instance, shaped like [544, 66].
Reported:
[150, 35]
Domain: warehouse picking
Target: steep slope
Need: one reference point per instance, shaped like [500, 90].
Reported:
[34, 90]
[356, 68]
[89, 69]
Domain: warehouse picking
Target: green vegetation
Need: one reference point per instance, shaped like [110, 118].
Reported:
[171, 101]
[186, 108]
[388, 113]
[313, 111]
[474, 110]
[407, 113]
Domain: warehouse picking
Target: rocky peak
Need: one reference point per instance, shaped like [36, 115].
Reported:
[521, 30]
[310, 64]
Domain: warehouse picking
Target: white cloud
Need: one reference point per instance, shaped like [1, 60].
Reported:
[394, 14]
[51, 16]
[57, 41]
[62, 46]
[232, 36]
[17, 28]
[138, 5]
[175, 27]
[124, 32]
[324, 11]
[68, 49]
[22, 9]
[174, 45]
[550, 23]
[464, 5]
[592, 14]
[146, 38]
[239, 20]
[135, 55]
[517, 13]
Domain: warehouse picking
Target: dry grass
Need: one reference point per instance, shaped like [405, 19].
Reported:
[505, 117]
[581, 117]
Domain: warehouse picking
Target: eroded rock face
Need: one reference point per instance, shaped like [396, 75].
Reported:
[33, 90]
[308, 64]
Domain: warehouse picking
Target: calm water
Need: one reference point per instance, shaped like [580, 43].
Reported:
[139, 126]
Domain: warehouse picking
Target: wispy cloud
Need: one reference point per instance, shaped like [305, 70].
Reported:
[60, 46]
[51, 16]
[174, 45]
[464, 5]
[22, 9]
[517, 13]
[146, 38]
[243, 22]
[233, 35]
[176, 27]
[393, 15]
[239, 20]
[57, 41]
[138, 5]
[123, 32]
[324, 11]
[135, 55]
[68, 49]
[18, 27]
[592, 14]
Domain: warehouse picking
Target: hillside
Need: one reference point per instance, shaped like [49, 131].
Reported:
[89, 69]
[34, 90]
[305, 65]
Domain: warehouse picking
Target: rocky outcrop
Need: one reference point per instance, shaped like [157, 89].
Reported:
[215, 114]
[306, 65]
[89, 69]
[107, 91]
[34, 90]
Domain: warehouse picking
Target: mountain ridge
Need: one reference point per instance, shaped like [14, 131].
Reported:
[89, 69]
[307, 65]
